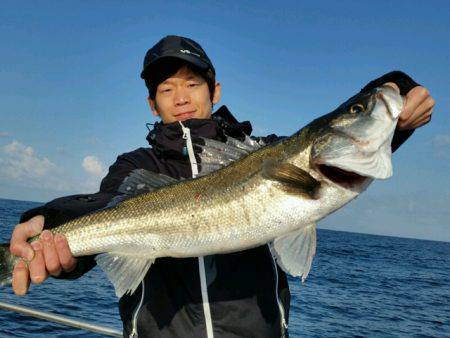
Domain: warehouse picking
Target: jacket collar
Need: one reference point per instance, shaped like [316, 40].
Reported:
[168, 139]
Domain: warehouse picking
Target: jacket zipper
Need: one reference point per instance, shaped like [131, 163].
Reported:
[201, 261]
[187, 136]
[283, 322]
[134, 332]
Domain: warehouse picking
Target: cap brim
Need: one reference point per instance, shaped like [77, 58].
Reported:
[186, 57]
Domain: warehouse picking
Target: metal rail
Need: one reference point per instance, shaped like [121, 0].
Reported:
[61, 319]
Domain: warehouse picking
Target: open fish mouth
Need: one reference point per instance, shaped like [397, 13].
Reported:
[344, 178]
[358, 149]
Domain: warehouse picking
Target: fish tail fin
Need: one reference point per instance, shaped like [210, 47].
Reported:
[7, 262]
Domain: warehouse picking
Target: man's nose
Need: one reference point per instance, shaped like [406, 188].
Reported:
[181, 97]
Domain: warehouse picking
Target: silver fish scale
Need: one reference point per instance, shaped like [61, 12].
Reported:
[200, 225]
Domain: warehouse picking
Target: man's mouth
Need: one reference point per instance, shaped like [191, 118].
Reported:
[184, 115]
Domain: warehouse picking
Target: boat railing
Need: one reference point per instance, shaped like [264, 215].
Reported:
[61, 320]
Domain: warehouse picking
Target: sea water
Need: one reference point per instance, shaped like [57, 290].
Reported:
[359, 286]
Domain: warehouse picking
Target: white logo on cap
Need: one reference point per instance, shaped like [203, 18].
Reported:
[187, 51]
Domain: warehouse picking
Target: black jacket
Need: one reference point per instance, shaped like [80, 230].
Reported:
[240, 286]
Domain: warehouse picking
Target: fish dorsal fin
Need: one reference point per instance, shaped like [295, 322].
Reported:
[215, 155]
[294, 252]
[140, 181]
[292, 176]
[125, 271]
[249, 145]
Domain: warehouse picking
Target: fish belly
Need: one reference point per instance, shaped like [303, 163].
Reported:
[229, 223]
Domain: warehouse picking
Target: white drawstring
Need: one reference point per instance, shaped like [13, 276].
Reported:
[190, 149]
[201, 262]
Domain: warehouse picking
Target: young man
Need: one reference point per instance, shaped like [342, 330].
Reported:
[242, 294]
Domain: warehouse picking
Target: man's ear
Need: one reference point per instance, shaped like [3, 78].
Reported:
[217, 93]
[152, 105]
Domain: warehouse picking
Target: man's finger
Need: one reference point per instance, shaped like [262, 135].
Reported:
[50, 255]
[38, 273]
[68, 262]
[22, 232]
[417, 95]
[421, 111]
[20, 280]
[414, 98]
[424, 119]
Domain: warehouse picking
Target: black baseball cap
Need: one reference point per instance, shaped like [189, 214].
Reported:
[176, 47]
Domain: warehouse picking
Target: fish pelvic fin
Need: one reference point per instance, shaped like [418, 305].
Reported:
[294, 252]
[7, 263]
[292, 176]
[125, 271]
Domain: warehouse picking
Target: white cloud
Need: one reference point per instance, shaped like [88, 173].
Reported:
[96, 170]
[93, 166]
[19, 164]
[441, 140]
[20, 161]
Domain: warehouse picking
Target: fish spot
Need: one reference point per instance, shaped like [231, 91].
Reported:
[141, 186]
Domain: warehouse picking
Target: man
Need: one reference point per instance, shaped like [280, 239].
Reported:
[241, 294]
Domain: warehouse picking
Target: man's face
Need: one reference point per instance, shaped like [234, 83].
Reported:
[185, 95]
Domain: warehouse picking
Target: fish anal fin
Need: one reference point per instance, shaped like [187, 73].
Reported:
[125, 271]
[294, 252]
[294, 177]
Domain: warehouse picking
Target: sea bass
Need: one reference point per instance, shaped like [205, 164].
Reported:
[274, 194]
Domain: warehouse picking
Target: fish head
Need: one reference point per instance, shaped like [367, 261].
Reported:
[354, 146]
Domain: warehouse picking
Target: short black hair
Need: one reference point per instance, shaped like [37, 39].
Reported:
[169, 66]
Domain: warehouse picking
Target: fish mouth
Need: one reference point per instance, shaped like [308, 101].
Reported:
[357, 152]
[346, 179]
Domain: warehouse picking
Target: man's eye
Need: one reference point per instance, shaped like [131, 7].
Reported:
[193, 84]
[165, 90]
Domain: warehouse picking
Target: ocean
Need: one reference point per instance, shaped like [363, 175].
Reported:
[359, 286]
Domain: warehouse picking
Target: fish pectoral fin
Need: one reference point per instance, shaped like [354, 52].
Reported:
[294, 252]
[125, 271]
[292, 176]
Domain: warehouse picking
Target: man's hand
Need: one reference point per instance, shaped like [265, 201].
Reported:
[417, 110]
[47, 256]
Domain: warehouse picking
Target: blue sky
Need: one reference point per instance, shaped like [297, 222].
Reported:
[71, 98]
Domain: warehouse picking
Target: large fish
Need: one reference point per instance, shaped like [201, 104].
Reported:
[275, 195]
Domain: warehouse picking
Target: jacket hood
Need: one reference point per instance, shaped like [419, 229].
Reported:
[168, 139]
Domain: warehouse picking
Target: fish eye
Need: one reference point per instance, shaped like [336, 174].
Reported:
[357, 108]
